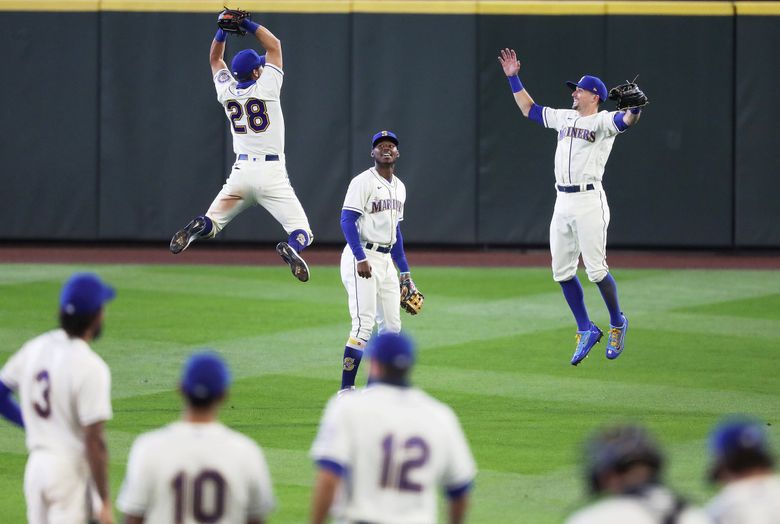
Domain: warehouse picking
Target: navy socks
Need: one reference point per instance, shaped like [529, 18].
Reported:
[352, 358]
[572, 290]
[608, 288]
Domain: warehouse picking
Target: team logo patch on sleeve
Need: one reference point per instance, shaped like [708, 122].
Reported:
[223, 77]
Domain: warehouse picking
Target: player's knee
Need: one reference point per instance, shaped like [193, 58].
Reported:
[597, 275]
[564, 275]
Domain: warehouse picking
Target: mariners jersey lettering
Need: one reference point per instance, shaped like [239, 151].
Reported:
[254, 113]
[191, 473]
[400, 447]
[63, 386]
[584, 144]
[380, 204]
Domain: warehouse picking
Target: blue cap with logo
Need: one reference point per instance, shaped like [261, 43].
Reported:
[384, 135]
[84, 294]
[592, 84]
[735, 435]
[246, 61]
[205, 376]
[392, 349]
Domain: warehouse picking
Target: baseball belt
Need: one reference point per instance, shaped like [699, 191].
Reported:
[377, 247]
[575, 189]
[267, 158]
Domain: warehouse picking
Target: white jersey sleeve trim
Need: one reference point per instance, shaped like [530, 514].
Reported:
[271, 66]
[353, 209]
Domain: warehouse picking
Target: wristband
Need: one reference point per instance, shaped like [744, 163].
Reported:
[249, 25]
[220, 36]
[515, 83]
[635, 110]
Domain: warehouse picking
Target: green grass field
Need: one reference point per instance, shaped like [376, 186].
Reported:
[494, 343]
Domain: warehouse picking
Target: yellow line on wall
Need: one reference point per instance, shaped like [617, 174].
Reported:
[434, 7]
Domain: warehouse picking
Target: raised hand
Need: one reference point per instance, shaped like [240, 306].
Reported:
[509, 62]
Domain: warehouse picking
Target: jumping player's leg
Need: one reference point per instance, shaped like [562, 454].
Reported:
[565, 250]
[361, 294]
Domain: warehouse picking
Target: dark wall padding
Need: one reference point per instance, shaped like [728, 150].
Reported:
[757, 135]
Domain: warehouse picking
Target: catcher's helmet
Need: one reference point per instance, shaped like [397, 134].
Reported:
[616, 450]
[738, 445]
[246, 61]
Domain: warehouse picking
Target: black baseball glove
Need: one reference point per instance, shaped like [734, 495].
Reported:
[230, 20]
[628, 95]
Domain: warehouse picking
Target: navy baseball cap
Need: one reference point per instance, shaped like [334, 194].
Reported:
[246, 61]
[384, 135]
[392, 349]
[84, 294]
[592, 84]
[205, 376]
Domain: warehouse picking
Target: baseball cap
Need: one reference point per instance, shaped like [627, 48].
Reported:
[737, 440]
[84, 294]
[246, 61]
[392, 349]
[592, 84]
[205, 376]
[384, 135]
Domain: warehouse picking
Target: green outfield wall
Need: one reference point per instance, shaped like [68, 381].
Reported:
[111, 129]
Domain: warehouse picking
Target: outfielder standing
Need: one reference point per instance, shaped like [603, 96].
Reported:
[65, 393]
[581, 216]
[370, 219]
[386, 450]
[196, 469]
[259, 175]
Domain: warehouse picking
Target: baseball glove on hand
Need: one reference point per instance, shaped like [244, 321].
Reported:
[628, 95]
[411, 298]
[230, 20]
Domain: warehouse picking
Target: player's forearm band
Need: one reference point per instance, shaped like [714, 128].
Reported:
[635, 110]
[515, 83]
[220, 36]
[249, 26]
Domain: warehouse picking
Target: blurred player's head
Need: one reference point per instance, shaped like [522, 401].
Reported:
[392, 356]
[384, 148]
[247, 64]
[81, 305]
[588, 93]
[622, 459]
[204, 380]
[738, 447]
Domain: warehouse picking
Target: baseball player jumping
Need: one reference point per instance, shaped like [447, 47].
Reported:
[259, 175]
[581, 216]
[370, 219]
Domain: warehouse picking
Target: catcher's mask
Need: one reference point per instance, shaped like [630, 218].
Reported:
[592, 84]
[738, 445]
[616, 450]
[246, 61]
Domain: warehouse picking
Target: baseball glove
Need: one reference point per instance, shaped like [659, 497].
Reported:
[411, 298]
[230, 20]
[628, 95]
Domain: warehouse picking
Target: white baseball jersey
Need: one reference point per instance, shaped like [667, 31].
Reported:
[380, 204]
[752, 500]
[398, 446]
[187, 473]
[255, 113]
[584, 144]
[635, 510]
[63, 386]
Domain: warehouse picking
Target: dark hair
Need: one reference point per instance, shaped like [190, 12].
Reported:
[618, 450]
[76, 325]
[393, 375]
[741, 461]
[202, 403]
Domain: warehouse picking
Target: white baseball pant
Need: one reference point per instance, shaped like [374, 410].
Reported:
[57, 489]
[579, 225]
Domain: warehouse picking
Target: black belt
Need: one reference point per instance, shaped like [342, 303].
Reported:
[575, 189]
[377, 247]
[268, 158]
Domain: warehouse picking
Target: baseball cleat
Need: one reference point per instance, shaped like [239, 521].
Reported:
[184, 237]
[297, 265]
[617, 336]
[585, 342]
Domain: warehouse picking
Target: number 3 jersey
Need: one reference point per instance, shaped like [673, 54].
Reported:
[188, 473]
[63, 386]
[397, 448]
[254, 113]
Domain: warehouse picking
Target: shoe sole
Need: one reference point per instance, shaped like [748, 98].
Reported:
[297, 265]
[184, 237]
[619, 352]
[601, 335]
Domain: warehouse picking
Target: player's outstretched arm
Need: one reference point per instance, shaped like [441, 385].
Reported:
[511, 66]
[217, 52]
[271, 44]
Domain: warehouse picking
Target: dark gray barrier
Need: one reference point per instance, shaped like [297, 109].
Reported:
[758, 163]
[49, 126]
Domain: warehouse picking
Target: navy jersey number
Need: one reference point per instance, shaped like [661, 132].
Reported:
[43, 408]
[397, 475]
[256, 115]
[208, 479]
